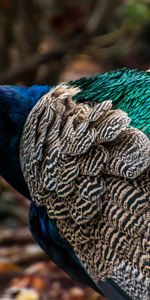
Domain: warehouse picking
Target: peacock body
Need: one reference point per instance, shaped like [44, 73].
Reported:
[84, 150]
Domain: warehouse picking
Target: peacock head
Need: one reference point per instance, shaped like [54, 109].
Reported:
[15, 105]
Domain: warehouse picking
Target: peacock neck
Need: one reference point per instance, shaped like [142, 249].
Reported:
[16, 104]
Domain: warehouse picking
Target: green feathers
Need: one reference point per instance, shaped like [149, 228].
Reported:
[129, 90]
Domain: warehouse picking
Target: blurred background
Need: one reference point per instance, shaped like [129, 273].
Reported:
[43, 42]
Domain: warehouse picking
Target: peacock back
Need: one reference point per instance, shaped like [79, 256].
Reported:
[128, 89]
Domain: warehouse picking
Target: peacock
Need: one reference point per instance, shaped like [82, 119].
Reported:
[80, 151]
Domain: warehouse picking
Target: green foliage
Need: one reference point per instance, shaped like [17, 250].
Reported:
[136, 13]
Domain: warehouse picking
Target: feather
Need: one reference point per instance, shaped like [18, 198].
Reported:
[83, 148]
[88, 175]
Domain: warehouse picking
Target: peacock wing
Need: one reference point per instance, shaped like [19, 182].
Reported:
[92, 175]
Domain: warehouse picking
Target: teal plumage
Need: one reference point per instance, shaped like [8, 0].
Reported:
[129, 90]
[85, 156]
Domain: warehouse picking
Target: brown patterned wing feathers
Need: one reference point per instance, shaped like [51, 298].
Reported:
[91, 170]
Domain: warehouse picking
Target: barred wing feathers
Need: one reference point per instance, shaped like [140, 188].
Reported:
[90, 170]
